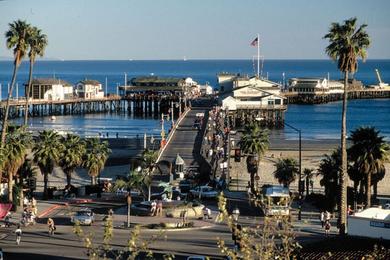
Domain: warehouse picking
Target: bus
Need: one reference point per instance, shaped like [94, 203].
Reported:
[275, 200]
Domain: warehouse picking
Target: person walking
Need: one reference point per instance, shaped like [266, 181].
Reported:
[51, 226]
[18, 233]
[153, 208]
[322, 218]
[327, 216]
[327, 228]
[159, 208]
[206, 213]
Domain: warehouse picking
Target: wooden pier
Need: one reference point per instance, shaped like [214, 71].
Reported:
[138, 105]
[295, 98]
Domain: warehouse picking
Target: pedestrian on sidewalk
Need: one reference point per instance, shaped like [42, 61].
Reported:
[154, 208]
[159, 208]
[51, 226]
[206, 213]
[327, 216]
[7, 219]
[327, 228]
[322, 219]
[18, 233]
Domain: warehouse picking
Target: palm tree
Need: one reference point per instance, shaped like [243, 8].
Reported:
[254, 142]
[368, 153]
[17, 40]
[347, 44]
[17, 143]
[148, 160]
[286, 171]
[37, 42]
[47, 151]
[72, 156]
[136, 180]
[308, 174]
[96, 156]
[330, 168]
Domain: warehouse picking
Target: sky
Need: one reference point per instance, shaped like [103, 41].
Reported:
[195, 29]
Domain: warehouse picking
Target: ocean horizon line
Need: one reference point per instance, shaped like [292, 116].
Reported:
[10, 59]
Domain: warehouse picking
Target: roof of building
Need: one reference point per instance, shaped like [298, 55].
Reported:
[374, 213]
[307, 79]
[150, 88]
[50, 81]
[90, 82]
[267, 93]
[155, 79]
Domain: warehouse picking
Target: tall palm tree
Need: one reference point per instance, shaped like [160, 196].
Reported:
[37, 42]
[96, 156]
[18, 141]
[47, 151]
[72, 156]
[286, 171]
[254, 142]
[308, 174]
[136, 180]
[347, 44]
[148, 162]
[17, 40]
[330, 168]
[368, 153]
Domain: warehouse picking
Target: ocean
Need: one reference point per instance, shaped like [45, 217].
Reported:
[316, 121]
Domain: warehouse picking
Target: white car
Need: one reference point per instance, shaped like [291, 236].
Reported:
[204, 192]
[83, 217]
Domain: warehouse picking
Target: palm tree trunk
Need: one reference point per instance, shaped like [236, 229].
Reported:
[5, 116]
[68, 177]
[45, 181]
[307, 185]
[10, 187]
[343, 172]
[368, 191]
[21, 194]
[375, 186]
[93, 180]
[28, 91]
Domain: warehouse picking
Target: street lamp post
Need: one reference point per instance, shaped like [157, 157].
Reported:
[128, 209]
[300, 155]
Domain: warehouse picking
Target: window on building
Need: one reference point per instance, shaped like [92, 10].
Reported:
[277, 101]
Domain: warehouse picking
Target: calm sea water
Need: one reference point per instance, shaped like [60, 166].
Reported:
[316, 121]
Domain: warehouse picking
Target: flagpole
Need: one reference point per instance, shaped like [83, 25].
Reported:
[258, 55]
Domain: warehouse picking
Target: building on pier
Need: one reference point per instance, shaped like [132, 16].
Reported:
[89, 89]
[50, 89]
[249, 98]
[153, 85]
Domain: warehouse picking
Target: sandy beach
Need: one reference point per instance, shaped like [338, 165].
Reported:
[312, 153]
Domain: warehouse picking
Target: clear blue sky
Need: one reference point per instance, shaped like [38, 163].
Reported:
[197, 29]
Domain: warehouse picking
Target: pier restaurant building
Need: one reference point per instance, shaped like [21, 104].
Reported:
[50, 89]
[89, 89]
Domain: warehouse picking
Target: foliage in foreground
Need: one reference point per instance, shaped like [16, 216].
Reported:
[134, 247]
[275, 239]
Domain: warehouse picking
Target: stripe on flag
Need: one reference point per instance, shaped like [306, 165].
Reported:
[255, 42]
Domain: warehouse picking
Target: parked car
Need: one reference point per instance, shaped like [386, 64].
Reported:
[84, 217]
[196, 257]
[204, 192]
[141, 209]
[193, 209]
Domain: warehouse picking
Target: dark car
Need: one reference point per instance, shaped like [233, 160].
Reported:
[141, 209]
[163, 195]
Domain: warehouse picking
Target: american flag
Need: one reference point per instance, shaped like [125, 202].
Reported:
[255, 42]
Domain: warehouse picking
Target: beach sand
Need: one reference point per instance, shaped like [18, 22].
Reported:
[312, 153]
